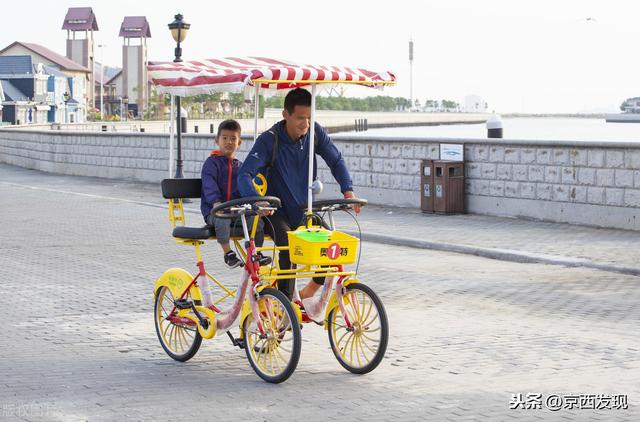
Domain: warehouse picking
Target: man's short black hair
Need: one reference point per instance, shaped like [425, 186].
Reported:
[297, 97]
[229, 124]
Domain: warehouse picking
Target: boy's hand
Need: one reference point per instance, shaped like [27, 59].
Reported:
[356, 207]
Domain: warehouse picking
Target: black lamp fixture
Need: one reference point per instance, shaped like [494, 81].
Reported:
[179, 29]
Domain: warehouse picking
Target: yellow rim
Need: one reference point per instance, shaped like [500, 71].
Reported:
[359, 346]
[177, 338]
[272, 352]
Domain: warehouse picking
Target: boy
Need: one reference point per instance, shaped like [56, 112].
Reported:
[219, 184]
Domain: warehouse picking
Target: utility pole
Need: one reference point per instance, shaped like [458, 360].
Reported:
[410, 72]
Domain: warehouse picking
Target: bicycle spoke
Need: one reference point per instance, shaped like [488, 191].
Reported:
[363, 345]
[356, 343]
[367, 346]
[370, 308]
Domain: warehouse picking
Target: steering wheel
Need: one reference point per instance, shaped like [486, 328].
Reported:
[246, 206]
[340, 204]
[260, 184]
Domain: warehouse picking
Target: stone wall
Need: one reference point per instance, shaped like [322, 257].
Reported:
[576, 182]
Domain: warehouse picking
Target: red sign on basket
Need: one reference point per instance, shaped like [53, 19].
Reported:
[333, 251]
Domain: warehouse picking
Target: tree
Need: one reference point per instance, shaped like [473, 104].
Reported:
[236, 101]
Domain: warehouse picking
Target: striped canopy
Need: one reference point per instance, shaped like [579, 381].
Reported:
[233, 74]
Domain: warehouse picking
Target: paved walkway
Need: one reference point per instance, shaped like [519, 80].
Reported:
[492, 237]
[468, 334]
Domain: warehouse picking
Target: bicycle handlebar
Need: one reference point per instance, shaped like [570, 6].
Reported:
[247, 206]
[337, 204]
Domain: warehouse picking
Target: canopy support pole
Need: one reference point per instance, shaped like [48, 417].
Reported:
[312, 133]
[256, 109]
[171, 129]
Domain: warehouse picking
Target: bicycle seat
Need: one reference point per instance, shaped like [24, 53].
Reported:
[200, 233]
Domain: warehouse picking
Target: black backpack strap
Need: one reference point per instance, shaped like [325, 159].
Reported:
[274, 151]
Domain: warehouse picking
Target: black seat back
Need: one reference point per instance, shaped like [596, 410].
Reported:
[181, 188]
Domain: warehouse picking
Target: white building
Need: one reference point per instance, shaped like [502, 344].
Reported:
[77, 75]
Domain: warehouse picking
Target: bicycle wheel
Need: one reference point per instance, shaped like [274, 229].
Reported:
[361, 348]
[273, 355]
[180, 340]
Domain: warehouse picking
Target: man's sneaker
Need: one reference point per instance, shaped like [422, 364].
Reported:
[263, 260]
[232, 260]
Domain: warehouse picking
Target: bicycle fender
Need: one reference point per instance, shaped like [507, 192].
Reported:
[333, 301]
[244, 313]
[177, 280]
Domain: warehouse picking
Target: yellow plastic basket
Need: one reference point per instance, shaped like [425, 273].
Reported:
[317, 246]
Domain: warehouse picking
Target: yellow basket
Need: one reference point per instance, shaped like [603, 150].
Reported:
[317, 246]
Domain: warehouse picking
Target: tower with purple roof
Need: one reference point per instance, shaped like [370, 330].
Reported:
[80, 23]
[135, 80]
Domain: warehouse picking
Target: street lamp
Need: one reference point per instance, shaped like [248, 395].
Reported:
[179, 29]
[66, 97]
[101, 47]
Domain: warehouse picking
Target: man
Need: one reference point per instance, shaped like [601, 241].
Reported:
[287, 178]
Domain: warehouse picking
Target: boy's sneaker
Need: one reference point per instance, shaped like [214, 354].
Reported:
[263, 260]
[232, 260]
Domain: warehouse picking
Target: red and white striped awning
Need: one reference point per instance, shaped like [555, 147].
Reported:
[233, 74]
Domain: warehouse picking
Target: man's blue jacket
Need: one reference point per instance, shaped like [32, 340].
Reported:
[289, 175]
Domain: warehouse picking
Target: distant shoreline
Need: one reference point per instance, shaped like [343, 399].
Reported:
[559, 115]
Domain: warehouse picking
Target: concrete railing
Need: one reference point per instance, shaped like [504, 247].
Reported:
[576, 182]
[333, 121]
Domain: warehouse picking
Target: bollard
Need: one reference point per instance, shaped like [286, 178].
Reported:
[142, 129]
[366, 124]
[195, 129]
[211, 128]
[183, 124]
[356, 125]
[494, 126]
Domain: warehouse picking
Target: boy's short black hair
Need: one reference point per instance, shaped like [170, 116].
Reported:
[229, 124]
[298, 96]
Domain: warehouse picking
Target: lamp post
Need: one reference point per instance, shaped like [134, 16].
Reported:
[101, 47]
[66, 97]
[179, 29]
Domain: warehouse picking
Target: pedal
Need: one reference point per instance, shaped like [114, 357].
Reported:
[183, 304]
[236, 341]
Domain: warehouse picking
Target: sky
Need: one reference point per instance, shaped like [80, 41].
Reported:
[543, 56]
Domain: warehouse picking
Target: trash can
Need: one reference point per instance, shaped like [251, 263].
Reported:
[426, 186]
[448, 187]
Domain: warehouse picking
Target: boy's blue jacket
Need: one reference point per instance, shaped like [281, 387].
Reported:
[219, 181]
[289, 175]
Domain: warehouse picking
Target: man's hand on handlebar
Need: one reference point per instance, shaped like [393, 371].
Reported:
[356, 207]
[264, 209]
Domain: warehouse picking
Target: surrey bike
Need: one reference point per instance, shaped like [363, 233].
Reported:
[350, 311]
[187, 308]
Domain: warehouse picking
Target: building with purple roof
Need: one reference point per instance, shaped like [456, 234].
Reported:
[135, 84]
[80, 24]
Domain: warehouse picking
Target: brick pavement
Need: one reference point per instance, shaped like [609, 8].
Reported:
[497, 237]
[466, 332]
